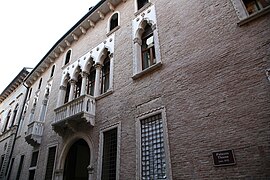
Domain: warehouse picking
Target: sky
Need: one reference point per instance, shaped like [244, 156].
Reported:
[30, 28]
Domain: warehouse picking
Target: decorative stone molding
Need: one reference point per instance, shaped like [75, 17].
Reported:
[101, 15]
[62, 88]
[137, 40]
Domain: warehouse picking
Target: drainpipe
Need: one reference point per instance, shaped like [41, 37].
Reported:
[20, 117]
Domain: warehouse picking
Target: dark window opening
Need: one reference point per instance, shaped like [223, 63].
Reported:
[52, 71]
[78, 87]
[20, 168]
[141, 3]
[67, 93]
[109, 157]
[105, 81]
[40, 82]
[7, 120]
[14, 115]
[254, 6]
[114, 21]
[30, 92]
[91, 81]
[68, 55]
[50, 163]
[10, 169]
[34, 159]
[148, 48]
[31, 174]
[2, 160]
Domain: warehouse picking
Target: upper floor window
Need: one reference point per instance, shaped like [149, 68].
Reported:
[14, 115]
[141, 3]
[52, 71]
[78, 86]
[254, 6]
[68, 56]
[40, 82]
[148, 48]
[114, 21]
[91, 81]
[146, 44]
[30, 92]
[248, 10]
[7, 121]
[67, 93]
[105, 79]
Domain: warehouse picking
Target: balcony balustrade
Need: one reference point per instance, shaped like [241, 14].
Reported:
[34, 133]
[79, 110]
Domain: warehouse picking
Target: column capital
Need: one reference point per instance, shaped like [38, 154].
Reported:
[84, 74]
[111, 55]
[72, 81]
[62, 87]
[97, 66]
[90, 169]
[137, 41]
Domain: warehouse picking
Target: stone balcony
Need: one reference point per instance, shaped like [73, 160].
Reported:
[79, 111]
[34, 133]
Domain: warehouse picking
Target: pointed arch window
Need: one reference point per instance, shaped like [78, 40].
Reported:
[67, 92]
[68, 56]
[114, 21]
[7, 120]
[91, 81]
[14, 115]
[78, 87]
[40, 83]
[148, 48]
[105, 79]
[30, 92]
[52, 71]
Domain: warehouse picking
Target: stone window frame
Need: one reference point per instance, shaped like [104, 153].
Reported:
[148, 16]
[109, 30]
[33, 168]
[55, 158]
[243, 15]
[153, 112]
[100, 151]
[52, 72]
[65, 64]
[138, 11]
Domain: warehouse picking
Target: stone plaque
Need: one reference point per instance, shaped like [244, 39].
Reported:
[223, 158]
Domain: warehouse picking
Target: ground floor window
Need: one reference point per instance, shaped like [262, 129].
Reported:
[109, 157]
[50, 163]
[152, 148]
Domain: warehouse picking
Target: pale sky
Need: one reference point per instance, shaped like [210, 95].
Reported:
[30, 28]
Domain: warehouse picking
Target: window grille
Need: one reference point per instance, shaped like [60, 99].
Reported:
[152, 148]
[109, 155]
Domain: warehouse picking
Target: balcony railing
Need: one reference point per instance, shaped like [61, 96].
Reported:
[34, 133]
[78, 110]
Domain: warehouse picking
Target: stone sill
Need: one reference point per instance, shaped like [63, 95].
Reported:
[66, 65]
[112, 31]
[254, 16]
[142, 9]
[146, 71]
[109, 92]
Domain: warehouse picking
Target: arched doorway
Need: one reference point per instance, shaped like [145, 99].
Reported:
[77, 161]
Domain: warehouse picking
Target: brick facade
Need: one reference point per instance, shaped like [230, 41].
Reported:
[211, 84]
